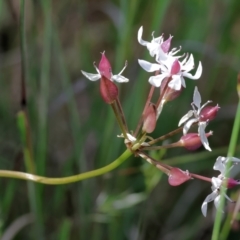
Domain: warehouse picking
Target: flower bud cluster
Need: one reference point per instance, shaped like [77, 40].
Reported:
[170, 71]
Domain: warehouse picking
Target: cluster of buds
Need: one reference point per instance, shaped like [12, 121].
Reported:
[171, 70]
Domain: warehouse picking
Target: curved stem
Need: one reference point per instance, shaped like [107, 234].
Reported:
[66, 180]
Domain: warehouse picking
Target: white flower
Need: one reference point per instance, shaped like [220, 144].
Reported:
[104, 68]
[221, 162]
[158, 46]
[195, 116]
[220, 165]
[173, 68]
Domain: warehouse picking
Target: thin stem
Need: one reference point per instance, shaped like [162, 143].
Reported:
[166, 136]
[231, 150]
[25, 129]
[144, 110]
[172, 145]
[121, 114]
[163, 92]
[119, 119]
[67, 180]
[200, 177]
[23, 55]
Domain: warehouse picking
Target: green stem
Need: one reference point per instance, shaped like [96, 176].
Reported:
[67, 180]
[231, 150]
[119, 119]
[166, 136]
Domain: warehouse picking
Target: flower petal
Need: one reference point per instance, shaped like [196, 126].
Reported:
[208, 199]
[217, 202]
[91, 76]
[147, 66]
[175, 83]
[140, 32]
[157, 80]
[197, 74]
[188, 124]
[197, 98]
[185, 117]
[202, 134]
[216, 183]
[220, 165]
[119, 78]
[189, 65]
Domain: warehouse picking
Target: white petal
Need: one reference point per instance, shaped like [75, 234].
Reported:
[202, 134]
[183, 82]
[204, 209]
[119, 78]
[217, 202]
[91, 76]
[185, 117]
[188, 125]
[131, 137]
[216, 183]
[140, 32]
[220, 165]
[197, 74]
[157, 80]
[147, 66]
[234, 160]
[208, 199]
[175, 83]
[153, 48]
[189, 65]
[197, 98]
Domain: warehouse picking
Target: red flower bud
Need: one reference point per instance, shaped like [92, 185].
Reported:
[166, 45]
[108, 90]
[175, 67]
[105, 67]
[192, 141]
[170, 93]
[231, 183]
[177, 177]
[208, 113]
[149, 119]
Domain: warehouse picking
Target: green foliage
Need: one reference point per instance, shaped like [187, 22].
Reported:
[73, 131]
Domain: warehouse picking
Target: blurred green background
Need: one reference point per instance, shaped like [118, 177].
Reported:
[73, 131]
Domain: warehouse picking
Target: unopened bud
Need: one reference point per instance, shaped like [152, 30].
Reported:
[177, 176]
[165, 46]
[149, 119]
[105, 67]
[231, 183]
[175, 67]
[169, 93]
[192, 141]
[208, 113]
[108, 90]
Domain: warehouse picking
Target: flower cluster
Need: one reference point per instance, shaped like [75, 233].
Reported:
[168, 65]
[170, 72]
[221, 181]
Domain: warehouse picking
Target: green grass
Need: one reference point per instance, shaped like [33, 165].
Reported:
[72, 130]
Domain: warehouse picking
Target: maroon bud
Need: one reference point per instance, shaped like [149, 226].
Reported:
[175, 67]
[108, 90]
[166, 45]
[105, 67]
[231, 183]
[170, 93]
[208, 113]
[149, 119]
[177, 177]
[192, 141]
